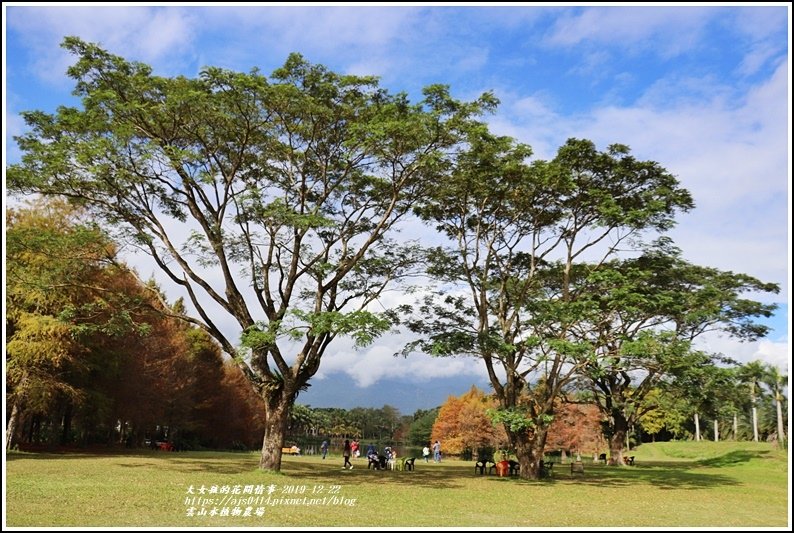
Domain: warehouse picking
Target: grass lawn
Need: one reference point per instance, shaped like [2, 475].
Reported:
[683, 484]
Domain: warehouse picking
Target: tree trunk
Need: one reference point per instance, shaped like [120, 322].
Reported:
[618, 439]
[67, 423]
[277, 415]
[35, 426]
[697, 428]
[735, 427]
[11, 429]
[755, 424]
[716, 430]
[528, 453]
[781, 434]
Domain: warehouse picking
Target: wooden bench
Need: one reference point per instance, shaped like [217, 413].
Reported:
[408, 464]
[290, 451]
[577, 468]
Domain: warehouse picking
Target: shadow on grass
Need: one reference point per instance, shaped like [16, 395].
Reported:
[733, 458]
[194, 466]
[60, 454]
[435, 477]
[664, 476]
[78, 453]
[213, 462]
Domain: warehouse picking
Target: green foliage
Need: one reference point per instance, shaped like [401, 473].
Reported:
[421, 427]
[363, 326]
[514, 418]
[642, 315]
[663, 410]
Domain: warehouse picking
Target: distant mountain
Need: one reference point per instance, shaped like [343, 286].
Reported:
[340, 390]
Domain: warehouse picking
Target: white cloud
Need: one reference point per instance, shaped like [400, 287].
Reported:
[758, 56]
[162, 34]
[347, 30]
[532, 119]
[776, 352]
[670, 30]
[370, 365]
[534, 107]
[148, 34]
[759, 24]
[593, 66]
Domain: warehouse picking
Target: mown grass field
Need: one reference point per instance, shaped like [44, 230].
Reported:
[681, 484]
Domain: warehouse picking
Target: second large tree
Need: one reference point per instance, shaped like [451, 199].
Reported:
[518, 233]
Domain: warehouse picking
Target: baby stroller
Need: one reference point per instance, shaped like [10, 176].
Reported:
[378, 462]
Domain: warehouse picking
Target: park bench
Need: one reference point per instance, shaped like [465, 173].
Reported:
[577, 468]
[603, 457]
[630, 460]
[408, 464]
[292, 450]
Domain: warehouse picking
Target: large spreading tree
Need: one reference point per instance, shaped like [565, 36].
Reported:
[269, 201]
[518, 233]
[643, 315]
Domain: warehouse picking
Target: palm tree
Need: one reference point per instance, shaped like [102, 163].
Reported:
[776, 381]
[752, 374]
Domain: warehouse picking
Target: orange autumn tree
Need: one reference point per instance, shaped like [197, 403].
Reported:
[576, 429]
[462, 424]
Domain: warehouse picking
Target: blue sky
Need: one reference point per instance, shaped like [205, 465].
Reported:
[703, 90]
